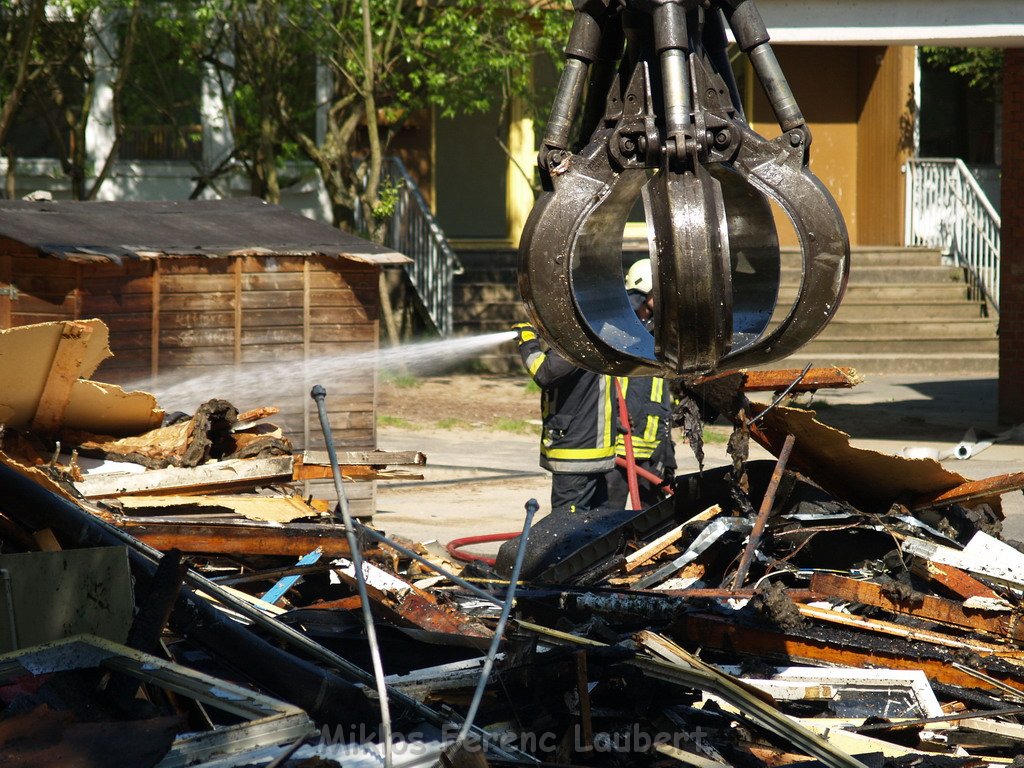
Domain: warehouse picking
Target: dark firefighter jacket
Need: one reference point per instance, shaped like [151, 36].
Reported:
[576, 407]
[649, 404]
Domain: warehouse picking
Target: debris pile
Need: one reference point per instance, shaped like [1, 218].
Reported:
[836, 607]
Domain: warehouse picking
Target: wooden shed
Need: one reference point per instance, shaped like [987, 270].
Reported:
[193, 288]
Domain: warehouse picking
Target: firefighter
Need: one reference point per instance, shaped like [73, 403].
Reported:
[649, 404]
[579, 425]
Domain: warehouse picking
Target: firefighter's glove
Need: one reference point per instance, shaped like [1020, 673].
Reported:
[524, 333]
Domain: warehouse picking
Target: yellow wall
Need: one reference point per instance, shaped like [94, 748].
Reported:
[885, 141]
[855, 101]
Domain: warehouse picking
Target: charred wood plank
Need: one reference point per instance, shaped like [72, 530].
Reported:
[814, 379]
[846, 649]
[960, 583]
[241, 537]
[971, 491]
[922, 606]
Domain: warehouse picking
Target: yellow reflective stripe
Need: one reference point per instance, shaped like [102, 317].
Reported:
[534, 362]
[608, 419]
[651, 432]
[657, 389]
[580, 453]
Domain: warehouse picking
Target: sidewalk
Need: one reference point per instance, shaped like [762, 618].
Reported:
[477, 481]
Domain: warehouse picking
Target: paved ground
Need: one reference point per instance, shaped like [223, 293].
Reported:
[478, 479]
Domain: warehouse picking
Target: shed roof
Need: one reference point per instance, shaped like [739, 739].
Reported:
[113, 231]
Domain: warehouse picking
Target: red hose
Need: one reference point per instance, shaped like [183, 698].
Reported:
[646, 474]
[634, 486]
[454, 546]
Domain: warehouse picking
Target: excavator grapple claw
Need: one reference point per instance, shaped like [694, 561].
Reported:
[662, 121]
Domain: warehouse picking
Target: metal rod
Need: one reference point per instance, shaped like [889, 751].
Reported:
[782, 395]
[319, 395]
[762, 514]
[531, 509]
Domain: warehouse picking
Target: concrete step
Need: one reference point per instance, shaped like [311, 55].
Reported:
[967, 364]
[485, 292]
[895, 293]
[872, 275]
[876, 256]
[912, 311]
[503, 311]
[839, 328]
[932, 345]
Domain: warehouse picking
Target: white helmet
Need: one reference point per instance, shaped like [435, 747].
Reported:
[639, 278]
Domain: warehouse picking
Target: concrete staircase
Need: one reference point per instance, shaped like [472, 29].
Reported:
[486, 297]
[904, 313]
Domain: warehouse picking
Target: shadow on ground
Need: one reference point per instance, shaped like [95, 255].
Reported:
[925, 410]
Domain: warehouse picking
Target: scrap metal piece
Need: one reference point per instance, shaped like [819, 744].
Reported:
[319, 396]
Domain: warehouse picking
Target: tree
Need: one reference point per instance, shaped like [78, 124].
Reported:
[983, 67]
[18, 66]
[382, 61]
[50, 67]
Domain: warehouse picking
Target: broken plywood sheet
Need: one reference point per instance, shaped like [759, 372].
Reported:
[43, 372]
[863, 477]
[271, 509]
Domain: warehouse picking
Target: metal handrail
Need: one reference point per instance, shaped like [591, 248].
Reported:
[947, 209]
[412, 230]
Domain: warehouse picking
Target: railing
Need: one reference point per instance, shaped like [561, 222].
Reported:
[947, 209]
[413, 231]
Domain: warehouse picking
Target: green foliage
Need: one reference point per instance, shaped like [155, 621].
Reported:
[518, 426]
[716, 435]
[454, 424]
[531, 387]
[282, 65]
[401, 380]
[983, 67]
[387, 199]
[383, 420]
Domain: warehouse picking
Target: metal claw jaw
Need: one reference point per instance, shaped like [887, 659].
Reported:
[712, 241]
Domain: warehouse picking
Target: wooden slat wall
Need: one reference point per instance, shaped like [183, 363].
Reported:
[121, 296]
[46, 288]
[885, 140]
[207, 314]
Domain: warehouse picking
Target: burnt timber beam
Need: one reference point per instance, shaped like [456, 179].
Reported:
[919, 605]
[232, 537]
[834, 647]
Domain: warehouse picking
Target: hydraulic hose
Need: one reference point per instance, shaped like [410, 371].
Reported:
[634, 486]
[646, 474]
[454, 546]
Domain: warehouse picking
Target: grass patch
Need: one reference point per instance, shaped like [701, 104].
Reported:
[401, 380]
[531, 387]
[518, 426]
[714, 436]
[454, 424]
[383, 420]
